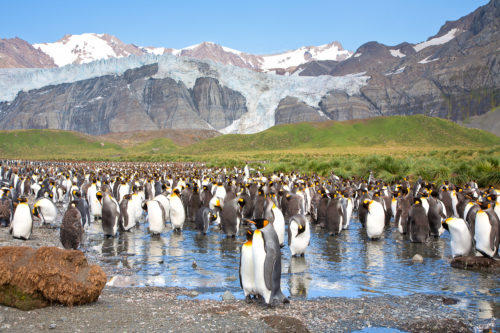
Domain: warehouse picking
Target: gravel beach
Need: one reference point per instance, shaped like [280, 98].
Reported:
[153, 309]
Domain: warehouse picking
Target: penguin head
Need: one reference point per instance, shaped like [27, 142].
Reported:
[22, 199]
[366, 203]
[35, 212]
[144, 206]
[213, 216]
[176, 191]
[417, 201]
[99, 196]
[249, 235]
[76, 193]
[73, 203]
[259, 223]
[446, 222]
[241, 202]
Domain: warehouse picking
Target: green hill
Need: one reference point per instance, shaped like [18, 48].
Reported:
[411, 131]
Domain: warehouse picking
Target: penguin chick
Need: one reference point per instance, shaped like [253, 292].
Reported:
[71, 234]
[203, 217]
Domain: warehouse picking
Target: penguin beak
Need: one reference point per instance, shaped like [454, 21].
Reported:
[250, 221]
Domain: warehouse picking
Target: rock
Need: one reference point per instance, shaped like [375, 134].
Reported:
[476, 263]
[227, 296]
[193, 293]
[417, 258]
[52, 326]
[231, 278]
[34, 278]
[291, 110]
[194, 264]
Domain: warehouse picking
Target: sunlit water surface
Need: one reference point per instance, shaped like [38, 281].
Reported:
[347, 265]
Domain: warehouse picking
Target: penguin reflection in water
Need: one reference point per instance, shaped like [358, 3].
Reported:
[266, 259]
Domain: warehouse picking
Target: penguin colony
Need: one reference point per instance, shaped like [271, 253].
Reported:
[121, 196]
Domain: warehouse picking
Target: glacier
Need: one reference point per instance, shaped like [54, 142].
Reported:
[263, 91]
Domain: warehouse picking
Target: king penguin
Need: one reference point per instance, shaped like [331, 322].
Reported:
[418, 223]
[247, 271]
[45, 210]
[177, 213]
[231, 216]
[375, 218]
[127, 211]
[156, 216]
[267, 263]
[110, 213]
[486, 232]
[71, 228]
[203, 217]
[22, 222]
[299, 235]
[461, 240]
[274, 214]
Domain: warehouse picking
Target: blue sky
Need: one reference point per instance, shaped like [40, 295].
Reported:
[255, 26]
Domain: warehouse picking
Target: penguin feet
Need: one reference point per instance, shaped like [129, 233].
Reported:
[248, 299]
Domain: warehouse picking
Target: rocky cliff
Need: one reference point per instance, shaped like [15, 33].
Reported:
[454, 74]
[18, 53]
[134, 101]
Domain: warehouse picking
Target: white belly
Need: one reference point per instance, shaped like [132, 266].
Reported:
[299, 243]
[259, 256]
[279, 225]
[177, 215]
[22, 223]
[247, 270]
[155, 218]
[375, 220]
[482, 234]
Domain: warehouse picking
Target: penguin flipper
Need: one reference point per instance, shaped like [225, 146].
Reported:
[269, 263]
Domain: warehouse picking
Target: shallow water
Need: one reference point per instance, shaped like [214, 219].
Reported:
[347, 265]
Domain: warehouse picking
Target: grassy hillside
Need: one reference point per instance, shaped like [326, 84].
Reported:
[53, 144]
[392, 147]
[413, 131]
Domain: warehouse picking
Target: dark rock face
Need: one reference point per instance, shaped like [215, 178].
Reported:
[34, 278]
[454, 80]
[133, 101]
[291, 110]
[217, 105]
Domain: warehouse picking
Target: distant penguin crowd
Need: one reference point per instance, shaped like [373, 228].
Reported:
[268, 209]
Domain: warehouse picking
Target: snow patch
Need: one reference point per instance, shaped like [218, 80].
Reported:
[438, 40]
[427, 60]
[85, 47]
[397, 53]
[357, 55]
[397, 71]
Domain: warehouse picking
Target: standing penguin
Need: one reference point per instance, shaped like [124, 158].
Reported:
[418, 223]
[267, 263]
[247, 271]
[231, 216]
[156, 216]
[461, 240]
[334, 216]
[6, 209]
[45, 210]
[22, 223]
[435, 215]
[486, 232]
[110, 213]
[177, 213]
[71, 228]
[83, 207]
[299, 235]
[127, 213]
[275, 215]
[204, 216]
[375, 218]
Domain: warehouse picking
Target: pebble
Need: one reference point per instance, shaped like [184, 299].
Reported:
[231, 278]
[417, 258]
[227, 296]
[361, 311]
[193, 293]
[194, 264]
[52, 326]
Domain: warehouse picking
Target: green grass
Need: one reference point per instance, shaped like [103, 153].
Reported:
[391, 147]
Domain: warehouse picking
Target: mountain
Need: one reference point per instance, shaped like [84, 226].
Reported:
[18, 53]
[156, 92]
[455, 74]
[85, 48]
